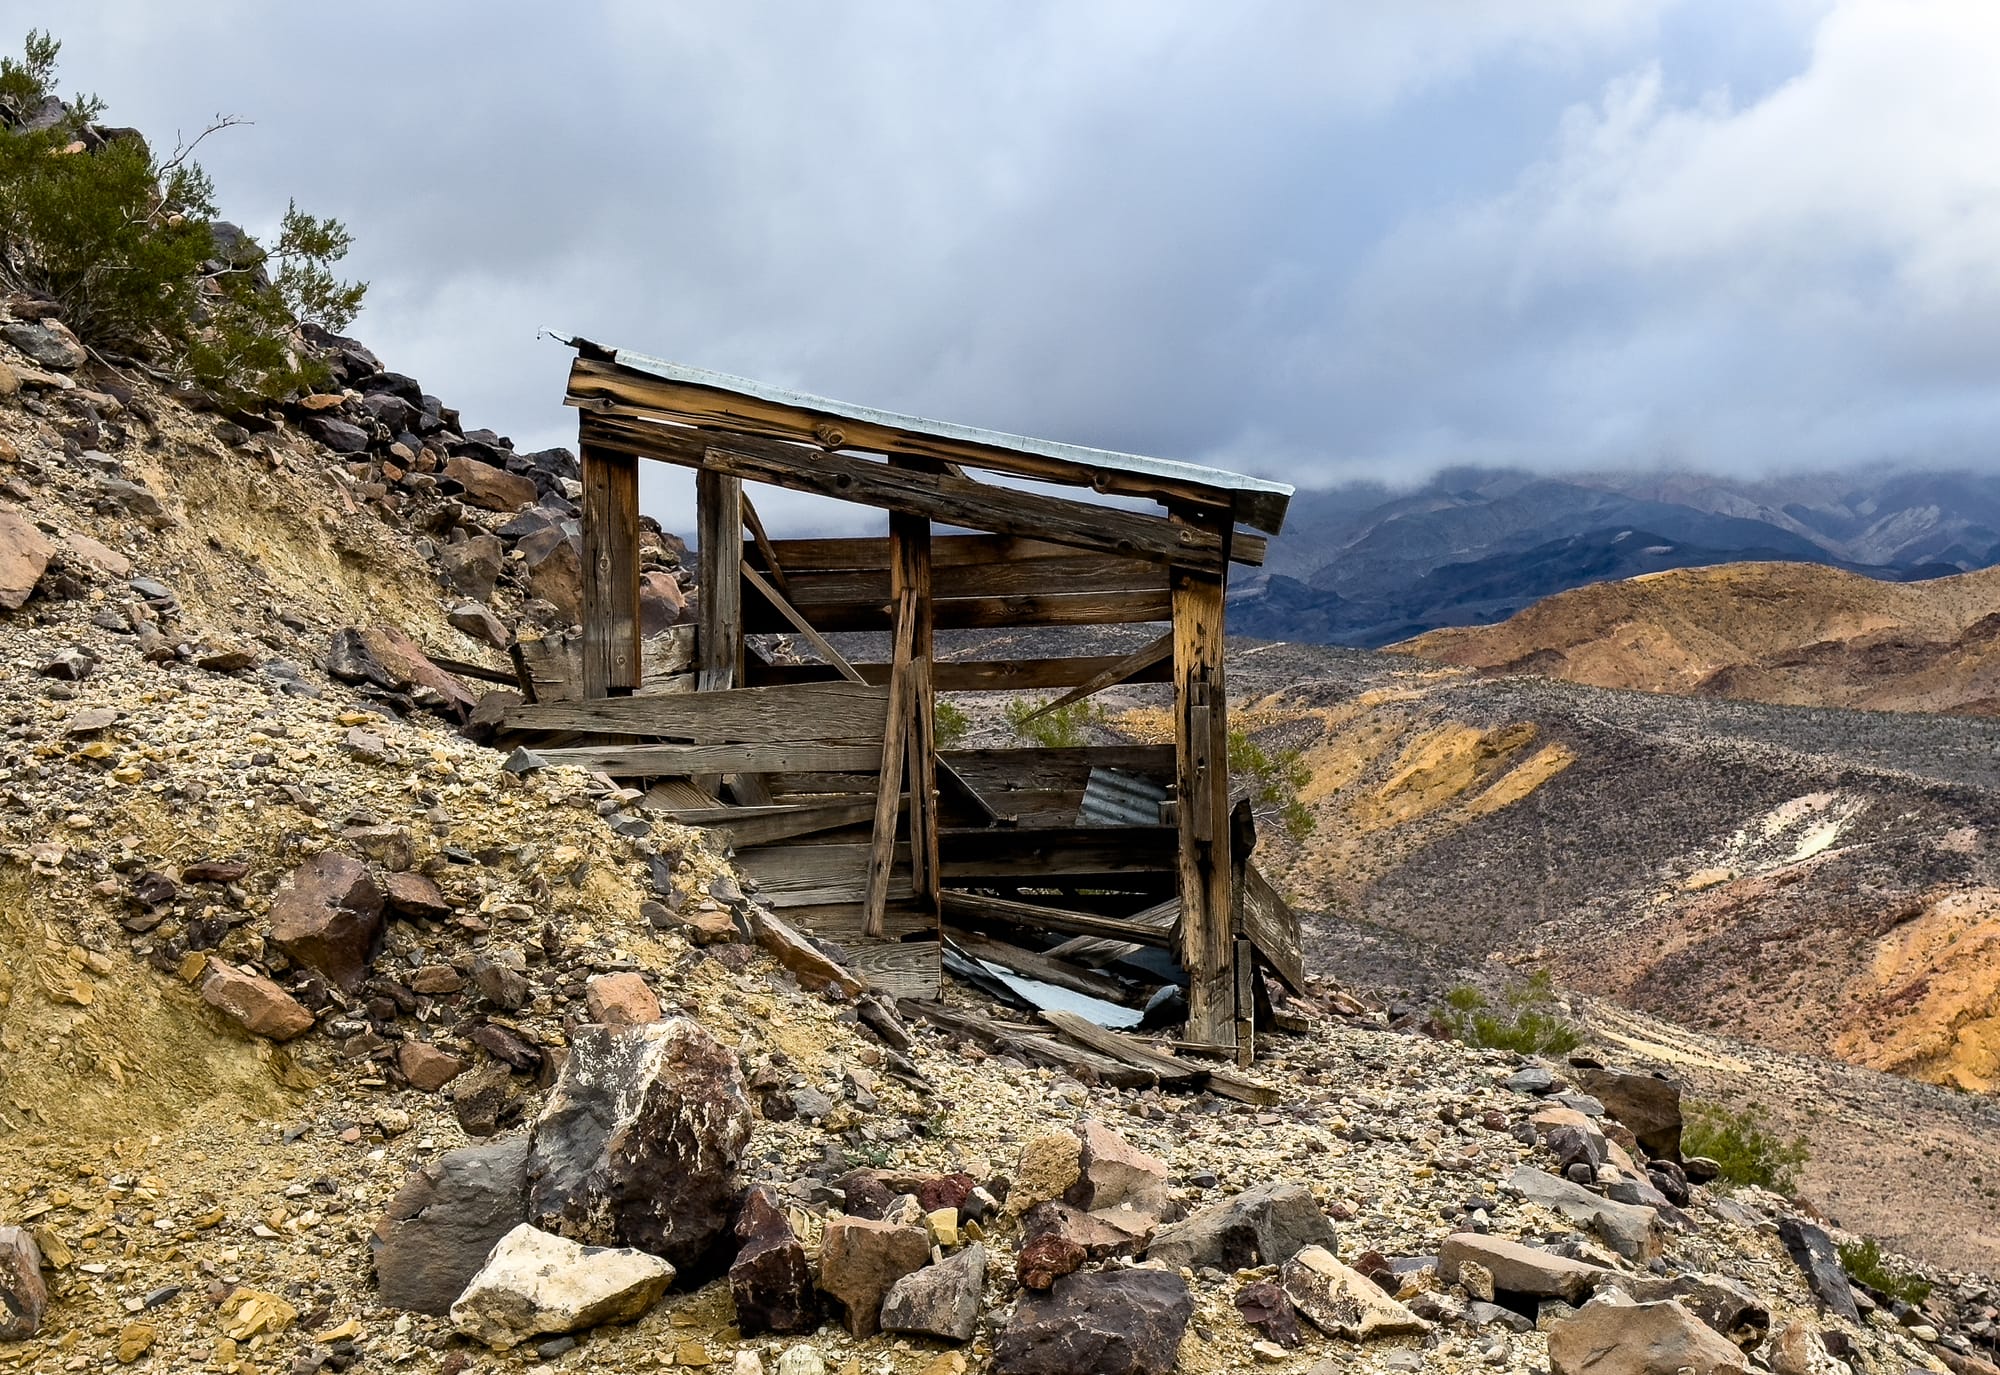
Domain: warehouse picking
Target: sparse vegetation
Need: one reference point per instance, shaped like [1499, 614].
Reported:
[1063, 728]
[1863, 1261]
[951, 725]
[1275, 779]
[1743, 1144]
[1526, 1020]
[123, 241]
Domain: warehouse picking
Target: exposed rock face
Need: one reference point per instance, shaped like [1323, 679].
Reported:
[1649, 1106]
[23, 1297]
[940, 1300]
[1518, 1269]
[327, 917]
[1815, 1254]
[260, 1006]
[860, 1261]
[639, 1140]
[771, 1279]
[1342, 1302]
[536, 1283]
[1120, 1322]
[24, 556]
[442, 1224]
[1267, 1225]
[1044, 1259]
[1606, 1337]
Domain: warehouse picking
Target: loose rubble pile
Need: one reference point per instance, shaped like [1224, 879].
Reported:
[331, 1042]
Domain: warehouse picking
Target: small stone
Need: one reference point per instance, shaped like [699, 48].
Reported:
[427, 1067]
[501, 984]
[408, 894]
[1269, 1310]
[73, 665]
[1049, 1167]
[535, 1283]
[801, 1360]
[1512, 1268]
[620, 1000]
[328, 916]
[1044, 1259]
[1267, 1225]
[24, 556]
[770, 1280]
[258, 1004]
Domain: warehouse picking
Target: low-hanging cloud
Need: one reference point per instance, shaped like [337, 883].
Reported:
[1321, 241]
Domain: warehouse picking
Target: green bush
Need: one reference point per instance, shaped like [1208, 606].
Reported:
[121, 240]
[1275, 781]
[1063, 728]
[951, 724]
[1526, 1021]
[1863, 1261]
[1743, 1144]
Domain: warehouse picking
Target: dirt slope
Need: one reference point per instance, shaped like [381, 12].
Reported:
[1795, 634]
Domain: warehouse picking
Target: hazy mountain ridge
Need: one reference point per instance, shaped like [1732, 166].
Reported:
[1360, 565]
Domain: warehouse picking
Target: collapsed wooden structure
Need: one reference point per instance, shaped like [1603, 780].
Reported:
[826, 776]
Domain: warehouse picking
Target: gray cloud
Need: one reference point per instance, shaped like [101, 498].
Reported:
[1316, 240]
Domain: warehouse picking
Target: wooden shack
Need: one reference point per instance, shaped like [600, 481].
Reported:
[826, 775]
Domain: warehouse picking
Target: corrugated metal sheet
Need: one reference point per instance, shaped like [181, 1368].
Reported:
[1112, 798]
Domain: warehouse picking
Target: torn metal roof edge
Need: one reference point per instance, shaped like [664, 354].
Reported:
[1219, 479]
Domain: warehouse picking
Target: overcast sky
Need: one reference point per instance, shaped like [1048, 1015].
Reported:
[1314, 240]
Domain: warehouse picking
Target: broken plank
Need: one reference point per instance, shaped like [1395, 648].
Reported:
[1078, 606]
[1097, 952]
[1109, 1043]
[824, 712]
[747, 827]
[1271, 925]
[1013, 675]
[980, 907]
[1158, 652]
[895, 742]
[683, 761]
[1031, 964]
[800, 624]
[1042, 1050]
[940, 496]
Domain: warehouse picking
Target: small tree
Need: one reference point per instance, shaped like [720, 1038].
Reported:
[121, 240]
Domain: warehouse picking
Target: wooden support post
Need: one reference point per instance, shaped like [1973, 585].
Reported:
[610, 573]
[889, 787]
[1246, 1004]
[910, 576]
[1201, 742]
[719, 530]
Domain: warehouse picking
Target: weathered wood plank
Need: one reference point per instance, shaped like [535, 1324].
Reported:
[939, 496]
[1158, 652]
[779, 603]
[814, 875]
[825, 712]
[889, 789]
[900, 969]
[1023, 577]
[1270, 924]
[840, 922]
[671, 794]
[1201, 742]
[912, 576]
[871, 552]
[974, 676]
[745, 827]
[719, 553]
[1040, 967]
[1031, 767]
[1041, 1050]
[987, 613]
[1097, 952]
[1109, 1043]
[595, 382]
[684, 761]
[963, 906]
[610, 572]
[772, 568]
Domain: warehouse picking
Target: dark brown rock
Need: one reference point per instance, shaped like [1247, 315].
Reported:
[214, 871]
[426, 1066]
[441, 1224]
[24, 1299]
[328, 917]
[1044, 1259]
[1813, 1251]
[486, 1098]
[1269, 1310]
[1648, 1105]
[638, 1142]
[1120, 1322]
[860, 1260]
[552, 562]
[662, 604]
[771, 1280]
[410, 894]
[389, 659]
[471, 566]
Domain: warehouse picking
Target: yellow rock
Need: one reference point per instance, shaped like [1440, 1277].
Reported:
[249, 1313]
[134, 1341]
[943, 1225]
[692, 1354]
[350, 1328]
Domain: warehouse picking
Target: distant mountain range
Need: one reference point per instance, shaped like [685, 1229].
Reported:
[1365, 566]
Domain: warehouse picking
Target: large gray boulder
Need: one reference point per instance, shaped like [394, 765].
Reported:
[1518, 1269]
[1267, 1225]
[639, 1140]
[445, 1220]
[1613, 1336]
[1630, 1230]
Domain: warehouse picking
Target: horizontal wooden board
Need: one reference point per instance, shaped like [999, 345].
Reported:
[1039, 577]
[843, 922]
[900, 969]
[823, 712]
[685, 761]
[872, 552]
[1040, 917]
[1013, 675]
[966, 858]
[744, 827]
[942, 497]
[998, 772]
[818, 875]
[974, 613]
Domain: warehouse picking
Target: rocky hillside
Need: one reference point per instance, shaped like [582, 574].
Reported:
[1793, 634]
[332, 1042]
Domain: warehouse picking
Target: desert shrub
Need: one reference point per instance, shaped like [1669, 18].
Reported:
[1063, 728]
[1744, 1146]
[1275, 781]
[951, 724]
[1526, 1021]
[1863, 1261]
[121, 239]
